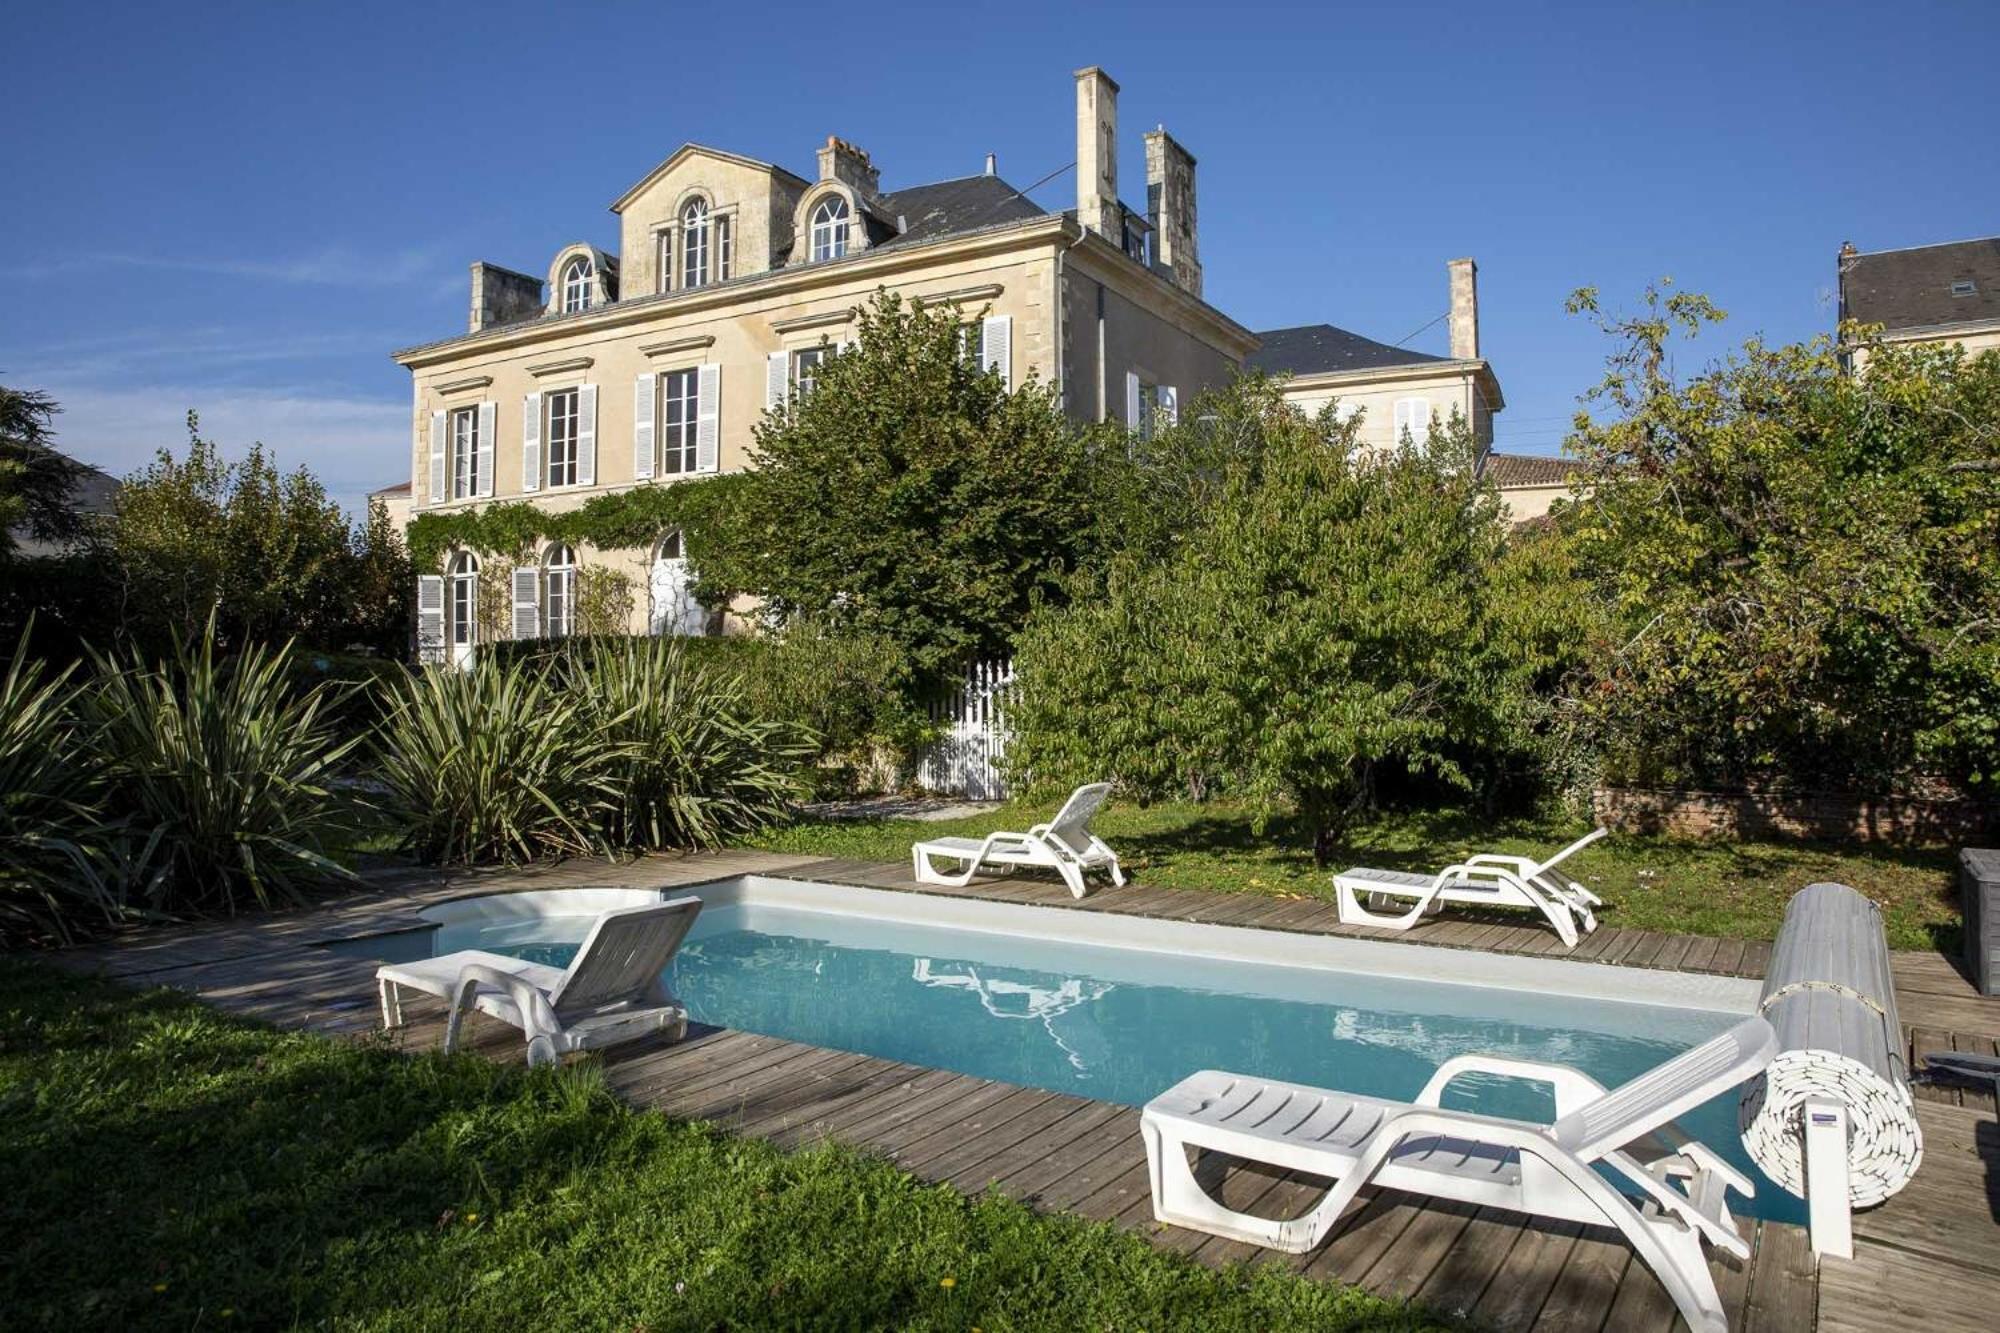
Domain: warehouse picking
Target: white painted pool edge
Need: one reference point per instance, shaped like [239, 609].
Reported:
[1556, 977]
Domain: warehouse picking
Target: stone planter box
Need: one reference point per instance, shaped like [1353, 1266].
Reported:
[1979, 890]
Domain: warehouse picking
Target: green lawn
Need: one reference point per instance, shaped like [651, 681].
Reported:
[1700, 888]
[164, 1166]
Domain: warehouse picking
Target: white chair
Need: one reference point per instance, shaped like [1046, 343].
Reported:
[1545, 1170]
[612, 991]
[1487, 880]
[1065, 845]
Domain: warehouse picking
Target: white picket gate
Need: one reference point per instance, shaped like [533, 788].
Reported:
[965, 761]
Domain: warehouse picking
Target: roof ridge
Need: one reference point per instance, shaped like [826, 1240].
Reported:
[1928, 245]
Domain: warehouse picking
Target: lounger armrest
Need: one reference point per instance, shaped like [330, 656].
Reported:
[537, 1014]
[1520, 865]
[1573, 1088]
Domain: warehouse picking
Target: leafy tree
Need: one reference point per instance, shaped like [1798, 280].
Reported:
[37, 484]
[909, 495]
[1323, 616]
[1797, 562]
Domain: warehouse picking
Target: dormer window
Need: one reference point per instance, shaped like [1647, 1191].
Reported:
[694, 244]
[576, 284]
[829, 228]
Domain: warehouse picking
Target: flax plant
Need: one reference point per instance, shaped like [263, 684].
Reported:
[51, 823]
[219, 775]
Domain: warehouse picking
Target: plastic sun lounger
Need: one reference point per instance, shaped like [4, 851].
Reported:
[1545, 1170]
[1065, 845]
[611, 992]
[1487, 880]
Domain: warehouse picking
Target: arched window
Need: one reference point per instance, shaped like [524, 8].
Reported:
[559, 602]
[463, 630]
[671, 548]
[694, 243]
[829, 228]
[576, 285]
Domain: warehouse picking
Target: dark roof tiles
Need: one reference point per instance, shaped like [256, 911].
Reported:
[1912, 289]
[1319, 349]
[1505, 470]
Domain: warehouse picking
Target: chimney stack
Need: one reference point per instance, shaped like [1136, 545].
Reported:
[1464, 310]
[1097, 154]
[848, 164]
[1170, 208]
[992, 165]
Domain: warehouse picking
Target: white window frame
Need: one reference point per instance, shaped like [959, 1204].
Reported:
[559, 592]
[804, 363]
[576, 285]
[463, 428]
[830, 219]
[722, 229]
[562, 451]
[694, 244]
[462, 607]
[680, 421]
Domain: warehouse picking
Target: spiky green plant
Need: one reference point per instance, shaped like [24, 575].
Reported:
[51, 830]
[692, 768]
[219, 775]
[494, 763]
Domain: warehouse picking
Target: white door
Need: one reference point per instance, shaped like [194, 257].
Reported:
[674, 608]
[464, 618]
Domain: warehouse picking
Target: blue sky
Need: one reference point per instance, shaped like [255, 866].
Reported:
[244, 209]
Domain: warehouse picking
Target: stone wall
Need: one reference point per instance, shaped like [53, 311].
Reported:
[1894, 820]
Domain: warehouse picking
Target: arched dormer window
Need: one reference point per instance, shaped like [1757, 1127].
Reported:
[829, 228]
[576, 285]
[694, 243]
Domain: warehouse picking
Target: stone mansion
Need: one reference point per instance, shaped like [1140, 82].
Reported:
[733, 279]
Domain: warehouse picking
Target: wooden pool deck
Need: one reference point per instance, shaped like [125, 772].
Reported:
[1929, 1258]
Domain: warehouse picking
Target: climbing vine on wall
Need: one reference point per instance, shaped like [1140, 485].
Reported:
[620, 521]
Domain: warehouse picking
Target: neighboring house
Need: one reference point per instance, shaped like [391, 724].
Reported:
[733, 279]
[1925, 294]
[1399, 390]
[93, 496]
[1529, 483]
[395, 503]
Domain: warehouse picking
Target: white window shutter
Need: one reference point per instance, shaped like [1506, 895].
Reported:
[1420, 419]
[708, 414]
[531, 442]
[777, 378]
[996, 347]
[586, 435]
[489, 414]
[1402, 423]
[1132, 400]
[437, 458]
[643, 398]
[527, 602]
[430, 618]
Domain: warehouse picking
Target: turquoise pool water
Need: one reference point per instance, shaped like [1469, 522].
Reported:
[1121, 1025]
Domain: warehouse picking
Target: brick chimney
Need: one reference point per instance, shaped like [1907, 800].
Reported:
[502, 296]
[1464, 310]
[842, 161]
[1170, 208]
[1097, 155]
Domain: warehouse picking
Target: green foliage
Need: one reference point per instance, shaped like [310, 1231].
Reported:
[218, 773]
[201, 544]
[493, 763]
[51, 825]
[629, 520]
[36, 482]
[603, 601]
[693, 765]
[909, 496]
[163, 1166]
[1796, 563]
[1323, 616]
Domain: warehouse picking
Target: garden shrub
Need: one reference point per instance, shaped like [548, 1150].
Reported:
[51, 823]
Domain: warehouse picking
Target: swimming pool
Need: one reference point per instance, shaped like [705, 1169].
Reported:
[1120, 1008]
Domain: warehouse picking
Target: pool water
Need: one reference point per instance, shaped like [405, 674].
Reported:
[1123, 1024]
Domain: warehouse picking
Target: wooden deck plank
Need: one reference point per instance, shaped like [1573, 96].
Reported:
[1587, 1285]
[1513, 1301]
[990, 1130]
[1783, 1295]
[1402, 1271]
[992, 1172]
[1463, 1272]
[1031, 1181]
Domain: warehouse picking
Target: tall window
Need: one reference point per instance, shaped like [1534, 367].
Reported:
[576, 285]
[464, 453]
[680, 407]
[972, 342]
[694, 244]
[464, 598]
[829, 228]
[805, 367]
[725, 248]
[562, 437]
[665, 267]
[559, 601]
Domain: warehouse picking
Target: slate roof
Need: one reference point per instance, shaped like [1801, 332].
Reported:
[1505, 470]
[1319, 349]
[1911, 289]
[948, 208]
[400, 488]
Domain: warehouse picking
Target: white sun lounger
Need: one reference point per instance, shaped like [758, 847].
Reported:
[1487, 880]
[1065, 845]
[612, 990]
[1545, 1170]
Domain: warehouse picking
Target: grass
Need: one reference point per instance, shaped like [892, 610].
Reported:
[163, 1165]
[1699, 888]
